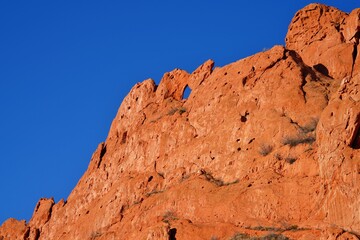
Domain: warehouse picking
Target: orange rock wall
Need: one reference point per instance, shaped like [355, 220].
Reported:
[267, 144]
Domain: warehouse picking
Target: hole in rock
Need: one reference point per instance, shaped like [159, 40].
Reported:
[243, 118]
[244, 80]
[123, 139]
[150, 178]
[172, 234]
[186, 92]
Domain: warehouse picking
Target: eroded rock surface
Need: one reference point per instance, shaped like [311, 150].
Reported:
[327, 39]
[267, 144]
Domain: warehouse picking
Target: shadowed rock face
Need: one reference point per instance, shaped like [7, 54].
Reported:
[326, 39]
[269, 143]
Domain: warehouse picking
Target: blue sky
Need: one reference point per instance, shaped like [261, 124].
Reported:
[65, 67]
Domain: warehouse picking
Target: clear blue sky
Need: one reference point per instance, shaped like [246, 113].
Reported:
[65, 67]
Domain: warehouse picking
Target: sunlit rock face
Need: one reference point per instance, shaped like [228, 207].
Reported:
[269, 144]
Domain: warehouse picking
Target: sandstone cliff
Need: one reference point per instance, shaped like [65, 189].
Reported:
[265, 146]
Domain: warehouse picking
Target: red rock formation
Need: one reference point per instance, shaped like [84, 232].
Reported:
[267, 144]
[327, 39]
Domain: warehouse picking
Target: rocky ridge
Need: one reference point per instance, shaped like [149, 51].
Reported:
[269, 144]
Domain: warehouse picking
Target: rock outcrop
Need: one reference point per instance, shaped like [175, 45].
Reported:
[327, 39]
[269, 144]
